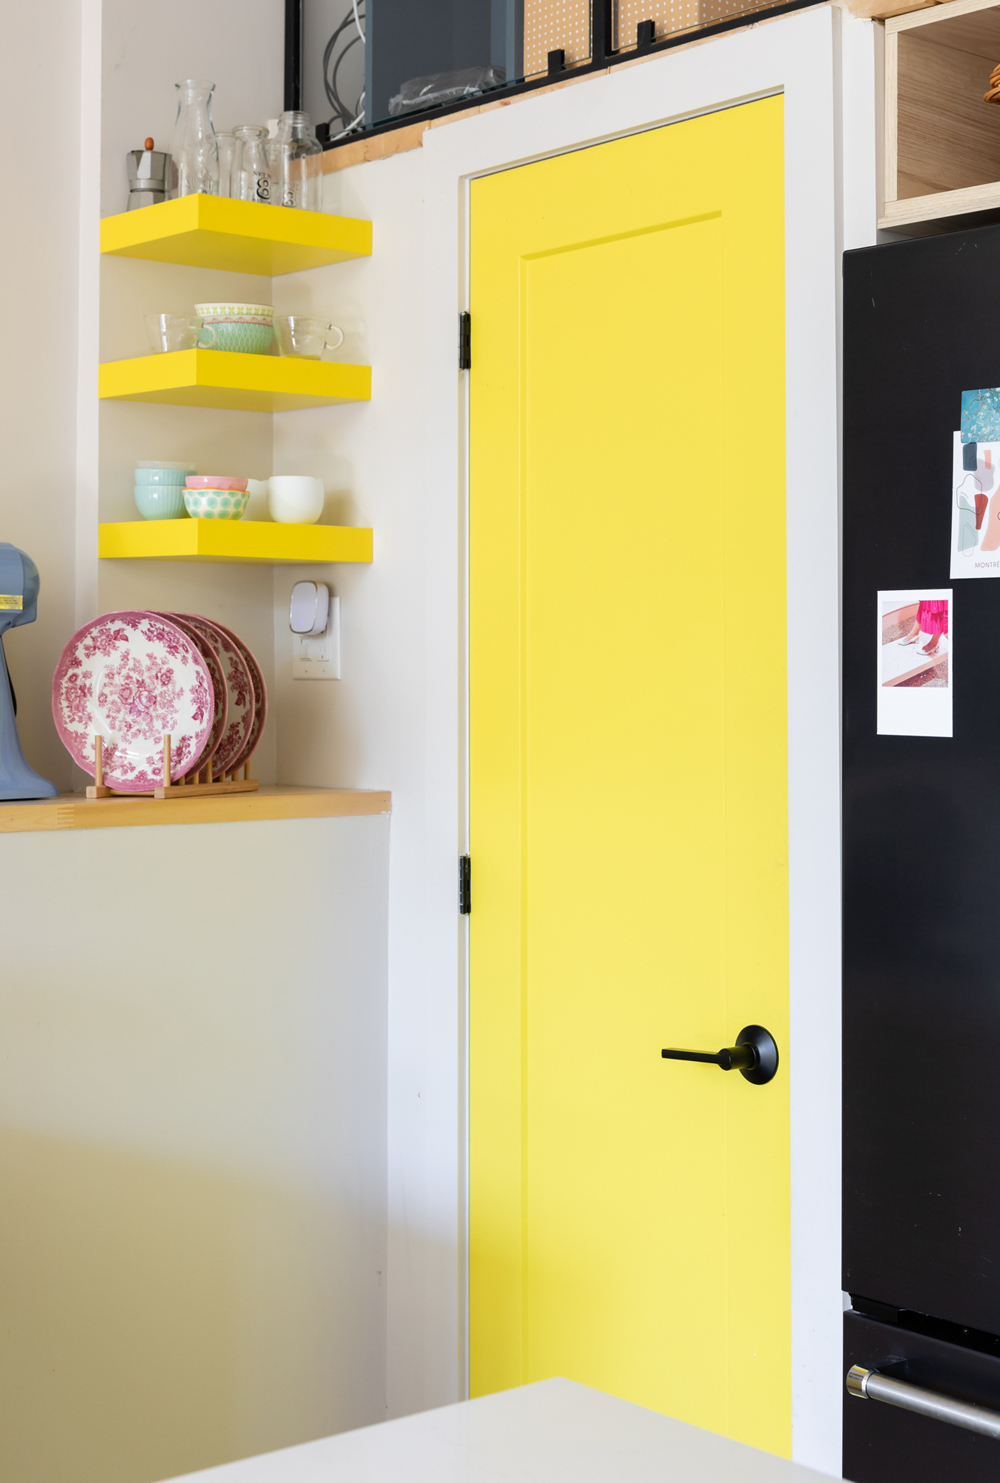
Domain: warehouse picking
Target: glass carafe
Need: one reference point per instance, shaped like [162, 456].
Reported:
[252, 175]
[195, 147]
[296, 162]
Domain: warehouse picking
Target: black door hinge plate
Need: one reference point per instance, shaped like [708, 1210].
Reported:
[465, 342]
[464, 885]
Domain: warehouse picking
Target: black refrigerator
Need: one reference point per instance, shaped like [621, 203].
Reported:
[921, 852]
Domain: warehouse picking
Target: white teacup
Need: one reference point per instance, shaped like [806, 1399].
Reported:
[295, 499]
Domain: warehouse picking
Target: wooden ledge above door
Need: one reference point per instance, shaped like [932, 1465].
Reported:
[73, 811]
[881, 10]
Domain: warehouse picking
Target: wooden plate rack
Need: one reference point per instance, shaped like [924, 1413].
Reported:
[228, 783]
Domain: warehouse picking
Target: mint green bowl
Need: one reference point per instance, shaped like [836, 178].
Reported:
[160, 476]
[160, 501]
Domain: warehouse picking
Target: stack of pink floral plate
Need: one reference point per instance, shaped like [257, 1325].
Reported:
[132, 678]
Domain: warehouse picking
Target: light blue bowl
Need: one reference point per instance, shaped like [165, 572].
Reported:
[160, 476]
[160, 501]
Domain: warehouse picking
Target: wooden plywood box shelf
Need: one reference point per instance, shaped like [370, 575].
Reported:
[942, 142]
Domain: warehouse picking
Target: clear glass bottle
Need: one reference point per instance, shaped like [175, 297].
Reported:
[296, 162]
[228, 151]
[195, 148]
[252, 173]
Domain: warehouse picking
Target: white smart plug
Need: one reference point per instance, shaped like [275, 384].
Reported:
[310, 608]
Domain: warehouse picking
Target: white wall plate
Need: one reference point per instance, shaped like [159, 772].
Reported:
[319, 658]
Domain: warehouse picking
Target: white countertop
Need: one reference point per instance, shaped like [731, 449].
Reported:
[553, 1432]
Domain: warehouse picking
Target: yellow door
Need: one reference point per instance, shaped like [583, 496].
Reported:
[630, 1215]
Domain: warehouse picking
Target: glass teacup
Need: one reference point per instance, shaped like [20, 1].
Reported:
[306, 338]
[169, 332]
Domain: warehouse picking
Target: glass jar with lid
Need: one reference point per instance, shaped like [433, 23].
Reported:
[296, 162]
[195, 148]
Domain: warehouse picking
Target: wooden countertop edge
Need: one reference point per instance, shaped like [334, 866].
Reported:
[74, 811]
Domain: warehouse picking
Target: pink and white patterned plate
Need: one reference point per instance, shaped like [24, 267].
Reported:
[239, 690]
[214, 668]
[129, 677]
[259, 693]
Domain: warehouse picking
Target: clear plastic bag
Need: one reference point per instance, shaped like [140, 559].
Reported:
[444, 87]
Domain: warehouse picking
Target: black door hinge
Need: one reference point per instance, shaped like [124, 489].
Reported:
[464, 885]
[465, 342]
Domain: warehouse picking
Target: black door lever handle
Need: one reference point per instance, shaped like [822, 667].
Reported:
[755, 1055]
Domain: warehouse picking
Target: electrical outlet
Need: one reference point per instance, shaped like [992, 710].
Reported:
[319, 658]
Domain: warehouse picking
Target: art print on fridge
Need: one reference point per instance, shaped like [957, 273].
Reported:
[975, 487]
[914, 662]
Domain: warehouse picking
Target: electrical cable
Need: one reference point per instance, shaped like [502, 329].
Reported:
[333, 97]
[336, 68]
[355, 121]
[344, 114]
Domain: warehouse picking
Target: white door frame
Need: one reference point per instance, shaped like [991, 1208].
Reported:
[804, 56]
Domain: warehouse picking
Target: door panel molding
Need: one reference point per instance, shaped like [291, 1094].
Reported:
[627, 438]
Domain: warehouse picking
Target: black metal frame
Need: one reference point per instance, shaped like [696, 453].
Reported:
[293, 54]
[602, 57]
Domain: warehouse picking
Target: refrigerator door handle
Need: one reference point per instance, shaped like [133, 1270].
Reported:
[869, 1385]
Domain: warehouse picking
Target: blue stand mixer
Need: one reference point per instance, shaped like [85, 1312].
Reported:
[18, 605]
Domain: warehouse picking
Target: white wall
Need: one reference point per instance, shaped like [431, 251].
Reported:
[393, 716]
[38, 368]
[146, 49]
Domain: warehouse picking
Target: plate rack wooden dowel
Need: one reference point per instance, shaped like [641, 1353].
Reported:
[186, 788]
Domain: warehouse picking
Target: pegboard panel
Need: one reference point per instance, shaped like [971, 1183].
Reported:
[553, 24]
[674, 15]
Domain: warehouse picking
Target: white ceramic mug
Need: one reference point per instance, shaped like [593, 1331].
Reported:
[295, 499]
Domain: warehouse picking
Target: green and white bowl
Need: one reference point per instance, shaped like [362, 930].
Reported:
[216, 504]
[245, 328]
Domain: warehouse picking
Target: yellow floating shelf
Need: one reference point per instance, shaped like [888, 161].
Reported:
[257, 542]
[245, 383]
[243, 236]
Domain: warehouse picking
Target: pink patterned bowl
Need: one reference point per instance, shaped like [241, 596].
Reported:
[215, 481]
